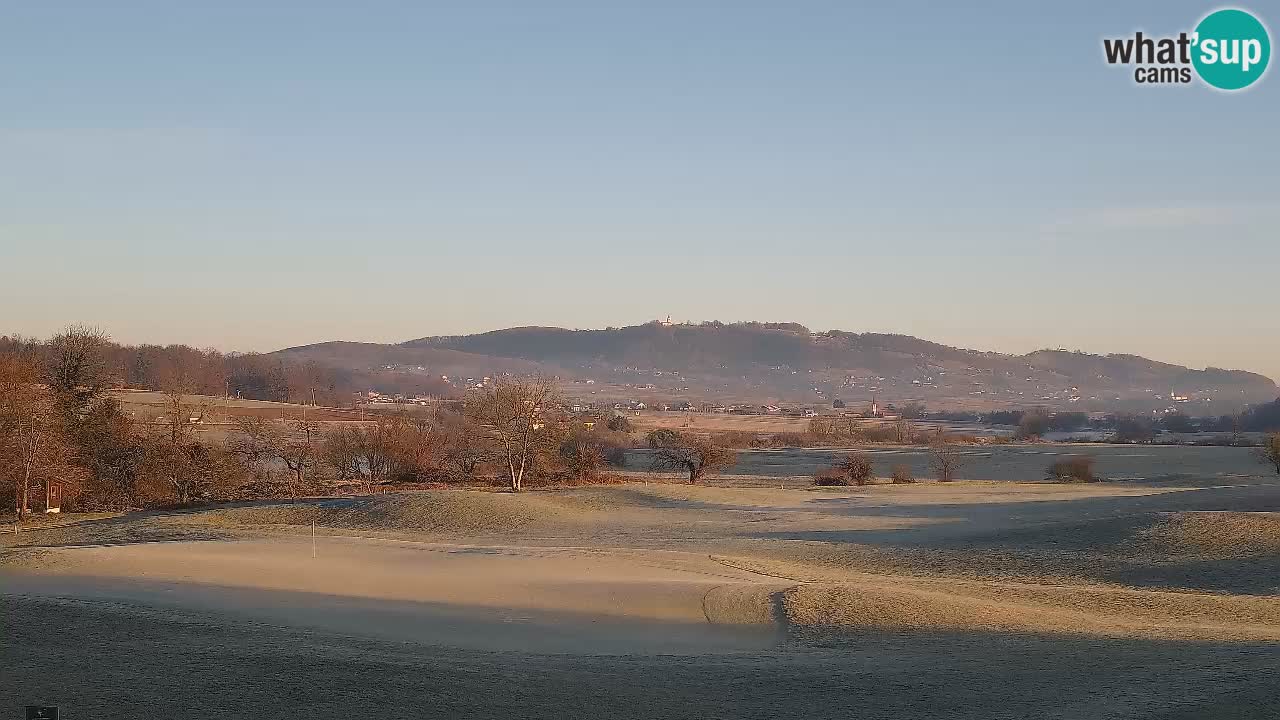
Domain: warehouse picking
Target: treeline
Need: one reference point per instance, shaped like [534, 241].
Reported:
[824, 431]
[59, 426]
[1264, 417]
[210, 372]
[1132, 427]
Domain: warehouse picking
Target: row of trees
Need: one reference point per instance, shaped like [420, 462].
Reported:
[1264, 417]
[946, 458]
[209, 372]
[59, 426]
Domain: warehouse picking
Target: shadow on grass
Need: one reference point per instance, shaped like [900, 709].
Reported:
[231, 667]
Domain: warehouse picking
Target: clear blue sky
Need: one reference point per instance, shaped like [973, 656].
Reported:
[251, 175]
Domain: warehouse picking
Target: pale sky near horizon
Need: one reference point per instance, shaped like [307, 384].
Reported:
[255, 175]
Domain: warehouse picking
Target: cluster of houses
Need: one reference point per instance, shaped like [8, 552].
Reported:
[874, 410]
[373, 397]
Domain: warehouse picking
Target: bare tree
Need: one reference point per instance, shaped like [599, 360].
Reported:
[341, 451]
[520, 414]
[175, 424]
[171, 451]
[35, 447]
[417, 441]
[904, 431]
[464, 445]
[112, 453]
[377, 450]
[945, 458]
[1269, 451]
[190, 470]
[77, 369]
[584, 457]
[693, 454]
[298, 452]
[252, 444]
[296, 446]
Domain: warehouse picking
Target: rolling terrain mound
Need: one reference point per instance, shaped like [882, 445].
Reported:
[469, 512]
[926, 558]
[895, 604]
[1217, 535]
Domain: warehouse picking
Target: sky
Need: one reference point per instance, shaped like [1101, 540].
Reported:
[256, 175]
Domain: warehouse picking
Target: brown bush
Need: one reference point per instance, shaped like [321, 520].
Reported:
[1078, 468]
[745, 439]
[1269, 451]
[740, 439]
[831, 477]
[795, 439]
[857, 467]
[900, 474]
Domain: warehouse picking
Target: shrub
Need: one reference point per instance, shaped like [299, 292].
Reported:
[1032, 424]
[1078, 468]
[857, 467]
[1134, 429]
[793, 439]
[615, 455]
[662, 438]
[901, 474]
[738, 439]
[585, 453]
[582, 457]
[831, 477]
[1269, 451]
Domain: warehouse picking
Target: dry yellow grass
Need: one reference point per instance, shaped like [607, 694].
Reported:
[893, 603]
[718, 422]
[428, 511]
[1216, 534]
[887, 601]
[1045, 578]
[147, 404]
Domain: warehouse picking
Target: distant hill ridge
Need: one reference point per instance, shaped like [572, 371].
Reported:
[788, 362]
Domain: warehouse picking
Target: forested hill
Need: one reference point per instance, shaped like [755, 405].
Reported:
[759, 362]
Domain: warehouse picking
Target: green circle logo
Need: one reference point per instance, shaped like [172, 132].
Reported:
[1231, 49]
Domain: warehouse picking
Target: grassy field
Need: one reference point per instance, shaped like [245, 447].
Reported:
[717, 422]
[980, 599]
[147, 404]
[1013, 462]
